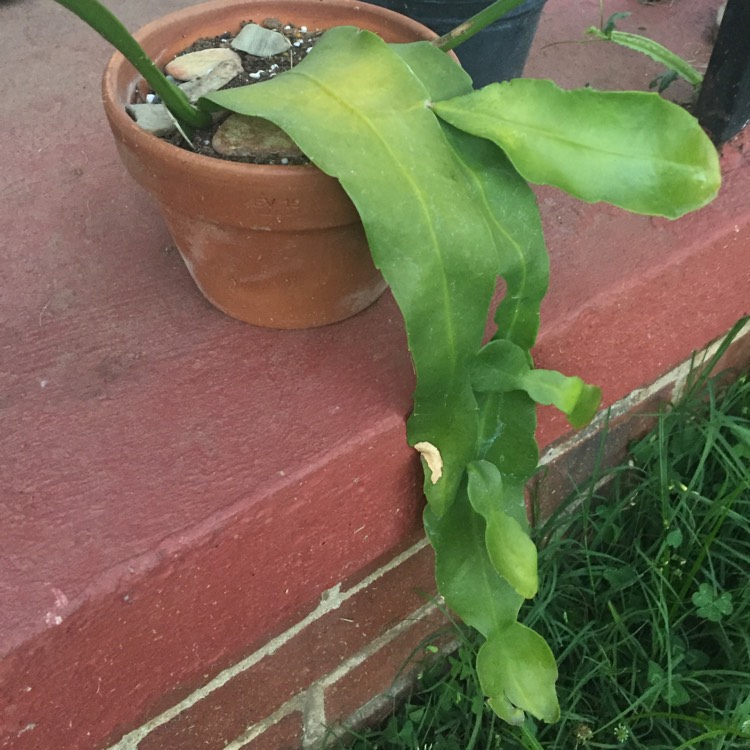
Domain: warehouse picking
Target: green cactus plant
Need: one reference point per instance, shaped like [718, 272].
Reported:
[439, 173]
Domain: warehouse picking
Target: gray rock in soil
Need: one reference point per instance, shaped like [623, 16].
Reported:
[153, 118]
[201, 63]
[156, 119]
[213, 81]
[260, 42]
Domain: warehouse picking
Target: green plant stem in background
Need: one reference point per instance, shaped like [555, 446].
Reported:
[475, 24]
[109, 27]
[657, 52]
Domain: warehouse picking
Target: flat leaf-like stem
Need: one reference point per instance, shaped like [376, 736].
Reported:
[629, 148]
[501, 366]
[446, 213]
[657, 52]
[516, 668]
[510, 549]
[426, 232]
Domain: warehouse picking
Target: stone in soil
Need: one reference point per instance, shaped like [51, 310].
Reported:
[241, 136]
[153, 118]
[201, 63]
[298, 42]
[260, 42]
[222, 74]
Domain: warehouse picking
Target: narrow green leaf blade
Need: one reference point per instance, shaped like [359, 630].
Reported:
[508, 543]
[632, 149]
[517, 670]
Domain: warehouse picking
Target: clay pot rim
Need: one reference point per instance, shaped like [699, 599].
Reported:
[185, 19]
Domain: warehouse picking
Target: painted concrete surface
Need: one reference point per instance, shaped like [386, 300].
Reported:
[175, 486]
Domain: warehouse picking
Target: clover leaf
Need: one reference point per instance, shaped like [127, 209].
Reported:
[711, 605]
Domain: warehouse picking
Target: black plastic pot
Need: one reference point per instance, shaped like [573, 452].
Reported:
[498, 52]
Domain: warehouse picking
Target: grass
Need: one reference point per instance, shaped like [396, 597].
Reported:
[644, 598]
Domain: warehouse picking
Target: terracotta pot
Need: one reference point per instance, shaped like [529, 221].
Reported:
[276, 246]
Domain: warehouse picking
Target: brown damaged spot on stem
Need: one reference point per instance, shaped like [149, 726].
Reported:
[433, 459]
